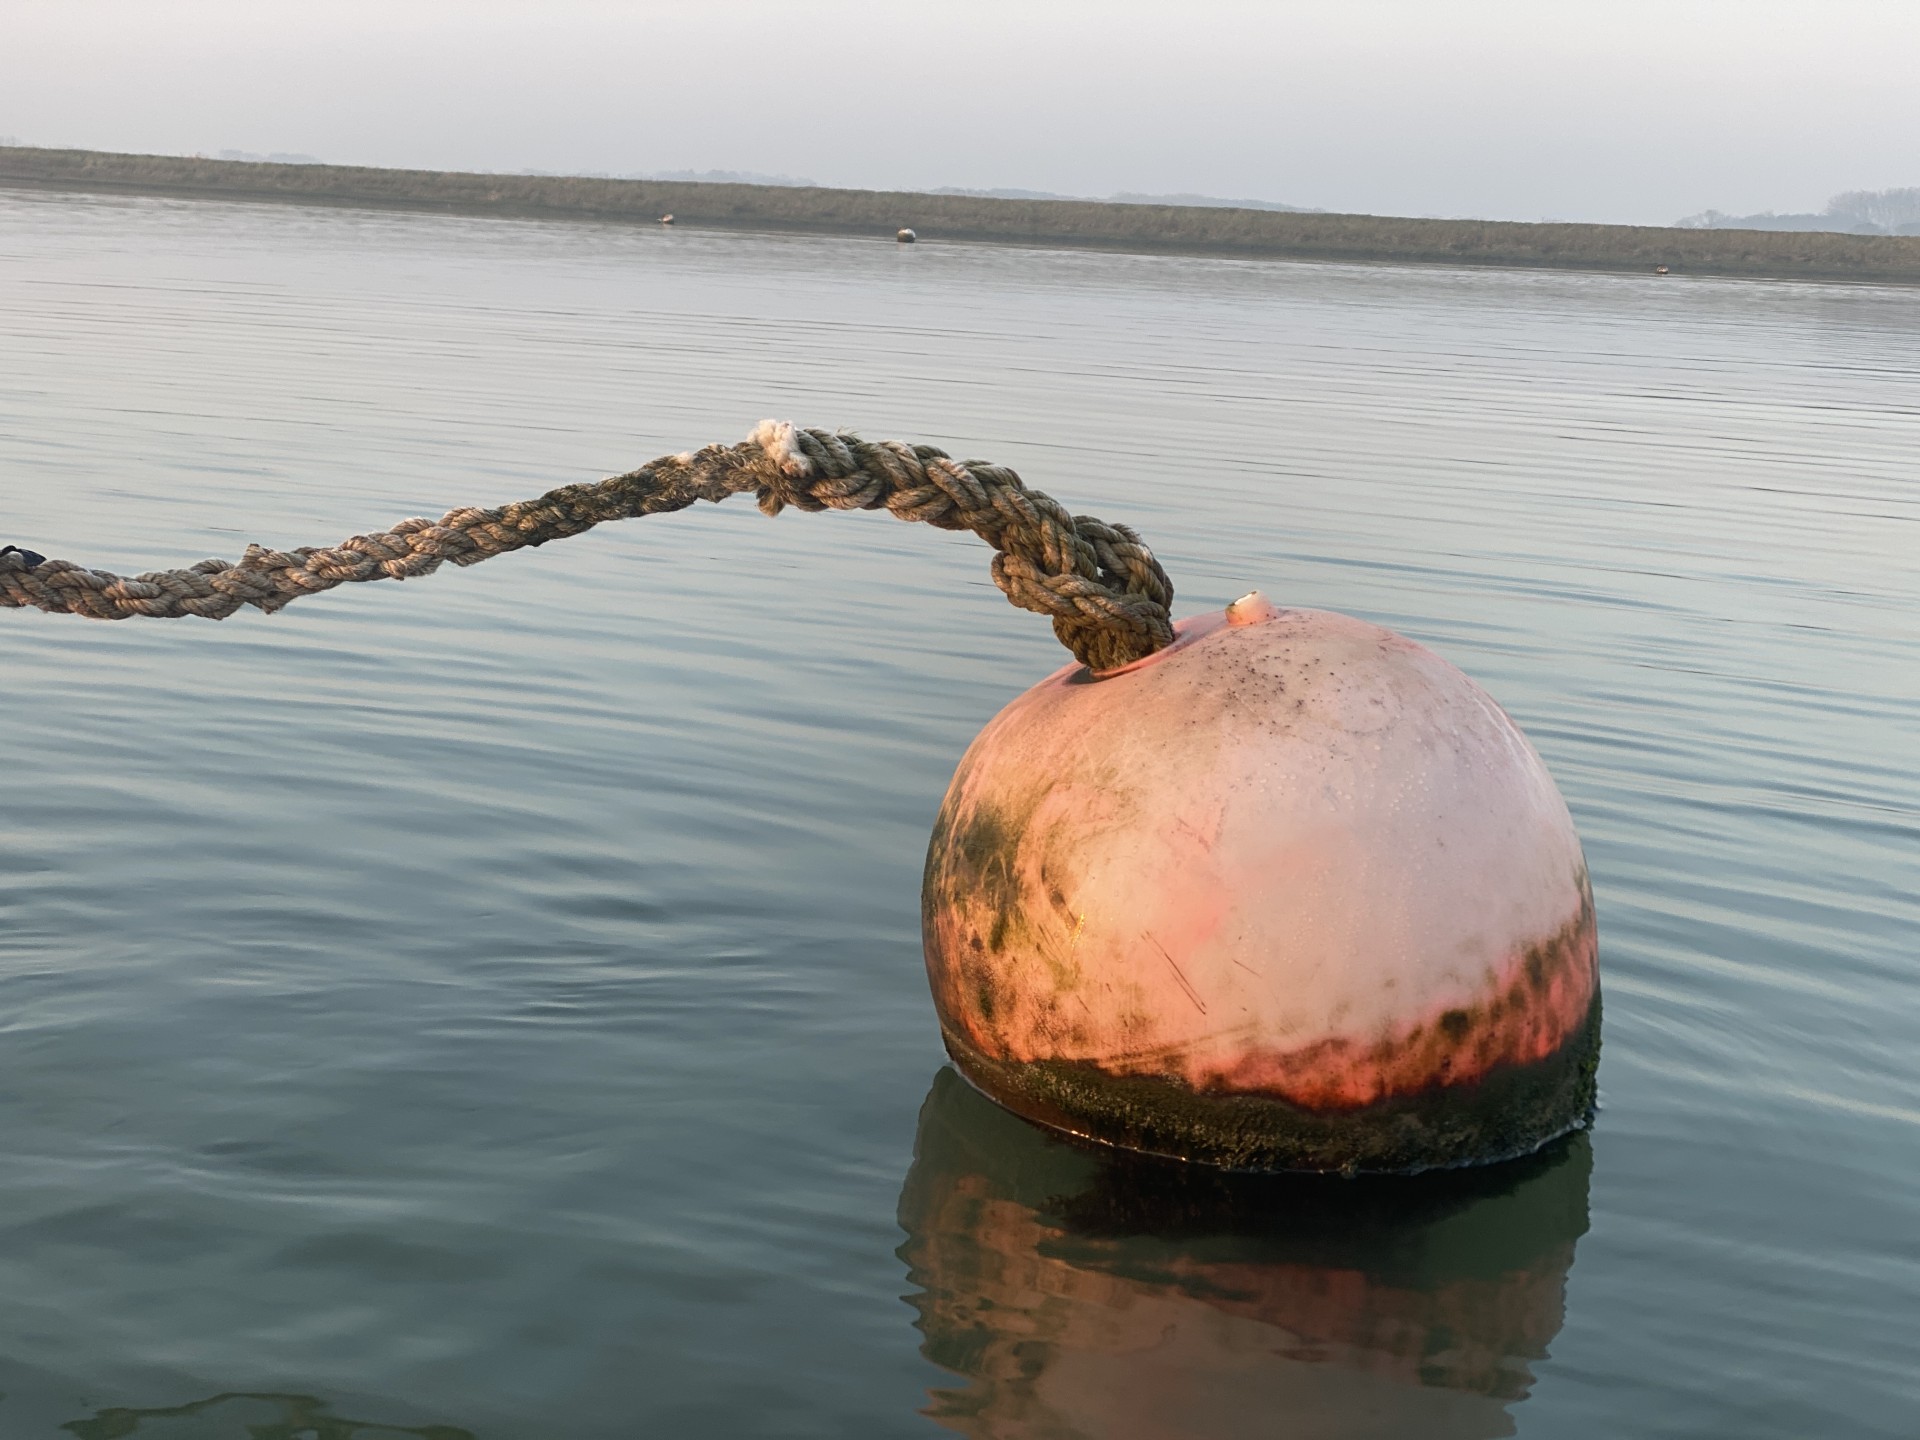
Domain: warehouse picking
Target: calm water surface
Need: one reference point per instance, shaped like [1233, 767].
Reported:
[493, 1006]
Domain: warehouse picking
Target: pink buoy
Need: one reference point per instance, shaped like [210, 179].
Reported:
[1292, 893]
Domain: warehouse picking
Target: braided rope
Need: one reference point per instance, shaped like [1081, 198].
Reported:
[1106, 594]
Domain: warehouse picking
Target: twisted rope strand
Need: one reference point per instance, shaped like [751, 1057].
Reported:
[1106, 594]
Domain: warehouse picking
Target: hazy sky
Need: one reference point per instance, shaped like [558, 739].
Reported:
[1609, 110]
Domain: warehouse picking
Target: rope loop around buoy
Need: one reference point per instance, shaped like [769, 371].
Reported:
[1105, 592]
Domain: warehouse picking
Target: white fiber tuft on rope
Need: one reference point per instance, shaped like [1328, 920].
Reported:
[777, 438]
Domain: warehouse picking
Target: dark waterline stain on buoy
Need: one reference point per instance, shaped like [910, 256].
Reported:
[1512, 1110]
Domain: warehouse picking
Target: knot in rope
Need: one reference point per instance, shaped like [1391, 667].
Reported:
[1101, 586]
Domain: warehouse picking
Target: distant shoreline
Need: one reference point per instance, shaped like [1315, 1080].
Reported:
[1076, 224]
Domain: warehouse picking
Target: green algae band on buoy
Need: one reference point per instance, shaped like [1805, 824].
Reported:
[1292, 893]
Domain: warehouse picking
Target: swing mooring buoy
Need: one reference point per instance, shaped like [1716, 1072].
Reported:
[1291, 893]
[1269, 889]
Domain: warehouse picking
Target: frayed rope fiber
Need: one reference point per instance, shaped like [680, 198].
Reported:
[1106, 594]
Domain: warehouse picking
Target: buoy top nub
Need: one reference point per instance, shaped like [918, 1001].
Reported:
[1251, 608]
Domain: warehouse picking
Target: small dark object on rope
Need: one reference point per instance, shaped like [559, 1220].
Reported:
[1106, 594]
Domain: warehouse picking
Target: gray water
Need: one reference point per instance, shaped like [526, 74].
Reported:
[492, 1005]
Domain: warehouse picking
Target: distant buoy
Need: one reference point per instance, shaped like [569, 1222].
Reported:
[666, 219]
[906, 236]
[1661, 270]
[1292, 893]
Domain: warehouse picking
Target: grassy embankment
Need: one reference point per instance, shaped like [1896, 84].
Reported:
[1080, 224]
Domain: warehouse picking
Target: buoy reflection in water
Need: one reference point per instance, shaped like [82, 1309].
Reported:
[1102, 1295]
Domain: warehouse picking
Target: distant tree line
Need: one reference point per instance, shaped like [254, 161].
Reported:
[1895, 212]
[1857, 212]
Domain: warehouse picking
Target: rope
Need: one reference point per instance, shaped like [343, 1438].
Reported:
[1106, 594]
